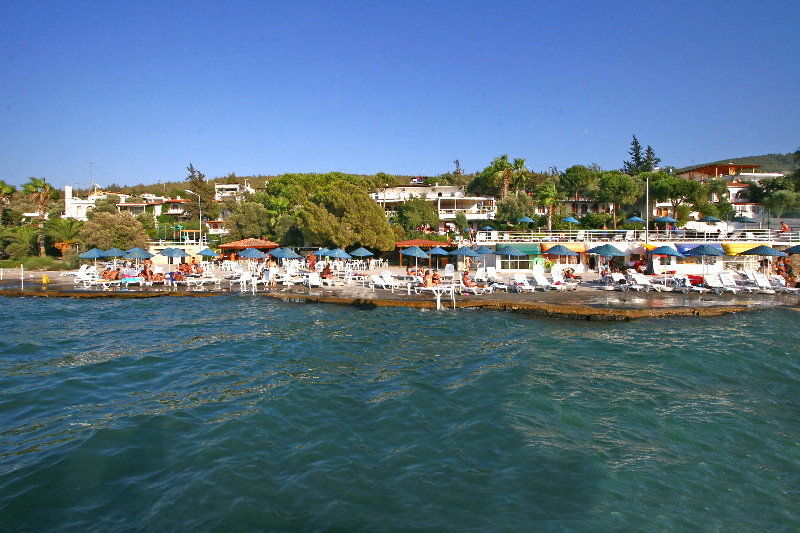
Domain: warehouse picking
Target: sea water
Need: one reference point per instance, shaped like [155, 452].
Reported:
[238, 412]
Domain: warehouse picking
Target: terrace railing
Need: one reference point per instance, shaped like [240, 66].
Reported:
[754, 235]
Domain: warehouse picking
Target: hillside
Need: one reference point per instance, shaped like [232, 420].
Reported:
[769, 162]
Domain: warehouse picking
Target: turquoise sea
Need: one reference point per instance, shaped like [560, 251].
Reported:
[239, 413]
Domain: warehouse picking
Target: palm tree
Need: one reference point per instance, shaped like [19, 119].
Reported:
[6, 191]
[41, 194]
[548, 195]
[65, 232]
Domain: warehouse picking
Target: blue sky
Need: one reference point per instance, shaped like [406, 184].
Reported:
[144, 88]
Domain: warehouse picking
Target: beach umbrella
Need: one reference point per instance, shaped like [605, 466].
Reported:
[793, 250]
[464, 251]
[437, 251]
[702, 251]
[509, 250]
[207, 253]
[664, 219]
[137, 253]
[94, 253]
[487, 228]
[361, 252]
[665, 250]
[606, 251]
[635, 219]
[173, 252]
[338, 253]
[709, 218]
[277, 253]
[561, 250]
[483, 250]
[321, 252]
[113, 252]
[416, 252]
[745, 220]
[766, 251]
[526, 219]
[291, 254]
[252, 253]
[571, 220]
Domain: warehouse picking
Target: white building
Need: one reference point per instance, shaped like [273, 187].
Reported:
[224, 191]
[449, 200]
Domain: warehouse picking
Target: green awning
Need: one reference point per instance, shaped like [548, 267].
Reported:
[530, 249]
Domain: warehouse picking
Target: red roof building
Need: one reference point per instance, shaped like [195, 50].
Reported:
[249, 243]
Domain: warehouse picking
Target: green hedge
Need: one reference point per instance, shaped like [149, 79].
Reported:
[40, 263]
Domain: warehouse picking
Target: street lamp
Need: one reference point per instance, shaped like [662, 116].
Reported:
[200, 213]
[647, 209]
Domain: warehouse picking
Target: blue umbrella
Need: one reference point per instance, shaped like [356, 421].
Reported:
[606, 251]
[483, 250]
[277, 253]
[465, 251]
[208, 253]
[793, 250]
[665, 250]
[361, 252]
[745, 220]
[560, 249]
[416, 252]
[173, 252]
[635, 219]
[765, 251]
[436, 250]
[252, 253]
[509, 250]
[704, 250]
[487, 228]
[709, 218]
[137, 253]
[529, 220]
[665, 220]
[571, 220]
[113, 252]
[94, 253]
[338, 253]
[321, 252]
[291, 254]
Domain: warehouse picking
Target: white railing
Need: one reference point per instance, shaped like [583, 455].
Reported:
[754, 235]
[478, 211]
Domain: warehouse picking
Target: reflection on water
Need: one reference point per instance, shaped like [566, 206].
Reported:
[246, 413]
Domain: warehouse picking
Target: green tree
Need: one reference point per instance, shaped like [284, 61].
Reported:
[637, 162]
[515, 207]
[781, 202]
[650, 159]
[461, 221]
[249, 220]
[579, 181]
[20, 241]
[109, 230]
[417, 212]
[6, 192]
[197, 183]
[668, 188]
[618, 189]
[104, 205]
[65, 233]
[548, 195]
[499, 177]
[42, 195]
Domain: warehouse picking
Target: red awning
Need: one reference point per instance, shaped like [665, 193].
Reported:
[249, 243]
[420, 243]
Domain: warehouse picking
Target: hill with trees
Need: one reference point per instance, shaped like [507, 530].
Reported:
[786, 163]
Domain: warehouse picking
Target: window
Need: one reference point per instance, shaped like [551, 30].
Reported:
[508, 262]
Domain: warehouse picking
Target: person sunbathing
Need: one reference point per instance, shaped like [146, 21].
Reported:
[158, 277]
[468, 281]
[326, 272]
[410, 271]
[116, 275]
[427, 280]
[436, 278]
[105, 274]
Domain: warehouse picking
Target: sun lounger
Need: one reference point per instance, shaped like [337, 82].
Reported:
[727, 279]
[682, 283]
[779, 284]
[714, 283]
[540, 281]
[521, 284]
[558, 279]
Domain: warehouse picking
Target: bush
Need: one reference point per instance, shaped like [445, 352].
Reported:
[37, 263]
[18, 250]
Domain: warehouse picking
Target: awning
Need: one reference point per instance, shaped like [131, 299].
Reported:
[530, 249]
[579, 247]
[650, 246]
[735, 248]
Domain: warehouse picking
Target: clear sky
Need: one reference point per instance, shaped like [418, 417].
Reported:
[144, 88]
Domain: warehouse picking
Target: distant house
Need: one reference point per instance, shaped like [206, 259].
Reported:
[734, 172]
[448, 199]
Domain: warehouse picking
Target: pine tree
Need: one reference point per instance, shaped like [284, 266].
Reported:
[637, 163]
[650, 159]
